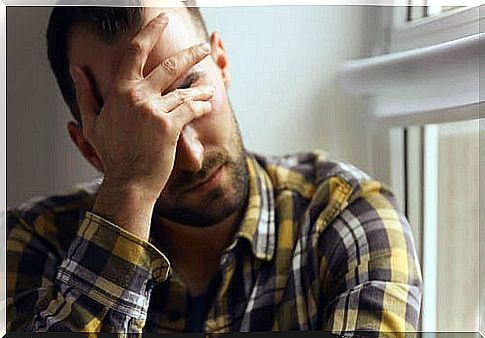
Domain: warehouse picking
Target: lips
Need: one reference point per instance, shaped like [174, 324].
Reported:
[206, 180]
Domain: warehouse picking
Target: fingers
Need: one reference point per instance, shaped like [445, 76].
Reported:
[189, 111]
[140, 47]
[173, 67]
[178, 96]
[182, 114]
[85, 98]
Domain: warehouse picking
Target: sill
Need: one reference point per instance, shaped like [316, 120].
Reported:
[419, 81]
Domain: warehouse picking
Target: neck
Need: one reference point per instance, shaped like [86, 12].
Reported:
[184, 242]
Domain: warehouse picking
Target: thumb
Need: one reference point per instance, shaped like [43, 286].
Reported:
[86, 101]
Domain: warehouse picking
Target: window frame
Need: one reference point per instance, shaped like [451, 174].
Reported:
[432, 30]
[440, 45]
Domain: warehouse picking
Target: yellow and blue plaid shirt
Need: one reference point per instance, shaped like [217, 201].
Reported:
[321, 246]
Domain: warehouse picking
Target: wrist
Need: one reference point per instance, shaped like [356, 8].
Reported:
[126, 205]
[135, 187]
[129, 189]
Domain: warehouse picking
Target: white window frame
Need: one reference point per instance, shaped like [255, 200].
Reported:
[423, 73]
[433, 30]
[426, 72]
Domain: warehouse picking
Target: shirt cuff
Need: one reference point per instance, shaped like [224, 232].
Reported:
[112, 266]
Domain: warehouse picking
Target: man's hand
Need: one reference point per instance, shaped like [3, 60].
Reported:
[135, 133]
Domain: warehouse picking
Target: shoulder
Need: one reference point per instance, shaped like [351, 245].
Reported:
[346, 217]
[315, 168]
[53, 219]
[330, 186]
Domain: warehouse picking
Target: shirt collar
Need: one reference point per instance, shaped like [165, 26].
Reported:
[258, 221]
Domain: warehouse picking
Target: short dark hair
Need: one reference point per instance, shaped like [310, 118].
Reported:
[109, 22]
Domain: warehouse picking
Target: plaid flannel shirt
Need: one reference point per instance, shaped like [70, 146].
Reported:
[321, 246]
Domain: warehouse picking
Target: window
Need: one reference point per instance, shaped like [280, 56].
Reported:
[441, 200]
[427, 8]
[424, 99]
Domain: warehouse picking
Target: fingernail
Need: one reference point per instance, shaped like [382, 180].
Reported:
[205, 47]
[163, 17]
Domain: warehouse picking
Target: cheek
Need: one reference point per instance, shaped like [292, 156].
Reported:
[215, 127]
[214, 78]
[217, 101]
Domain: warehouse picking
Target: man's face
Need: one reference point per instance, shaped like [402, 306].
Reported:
[189, 197]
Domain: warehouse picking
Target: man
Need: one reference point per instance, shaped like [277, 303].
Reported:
[187, 231]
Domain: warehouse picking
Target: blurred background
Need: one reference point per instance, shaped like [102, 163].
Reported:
[392, 90]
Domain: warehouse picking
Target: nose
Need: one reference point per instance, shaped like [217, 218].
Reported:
[190, 151]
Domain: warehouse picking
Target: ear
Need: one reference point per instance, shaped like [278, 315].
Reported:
[221, 58]
[84, 146]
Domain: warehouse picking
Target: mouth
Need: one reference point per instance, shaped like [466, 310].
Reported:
[211, 180]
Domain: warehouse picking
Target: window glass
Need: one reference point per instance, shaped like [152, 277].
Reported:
[457, 289]
[419, 9]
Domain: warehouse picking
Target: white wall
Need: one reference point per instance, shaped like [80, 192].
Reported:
[282, 62]
[40, 157]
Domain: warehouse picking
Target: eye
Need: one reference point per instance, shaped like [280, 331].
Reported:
[189, 80]
[186, 84]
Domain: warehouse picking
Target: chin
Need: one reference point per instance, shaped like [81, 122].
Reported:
[211, 204]
[212, 208]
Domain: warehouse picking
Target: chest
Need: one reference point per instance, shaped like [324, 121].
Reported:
[249, 296]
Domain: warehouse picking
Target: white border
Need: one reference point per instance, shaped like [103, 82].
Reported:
[239, 3]
[3, 180]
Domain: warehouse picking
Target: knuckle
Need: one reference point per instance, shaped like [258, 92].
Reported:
[193, 53]
[135, 96]
[170, 66]
[181, 94]
[136, 47]
[163, 110]
[177, 94]
[189, 106]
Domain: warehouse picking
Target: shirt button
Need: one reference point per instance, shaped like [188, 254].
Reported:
[173, 315]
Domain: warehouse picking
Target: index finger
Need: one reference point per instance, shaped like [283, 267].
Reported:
[172, 68]
[140, 47]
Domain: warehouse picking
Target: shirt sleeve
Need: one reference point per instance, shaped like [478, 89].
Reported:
[370, 268]
[103, 284]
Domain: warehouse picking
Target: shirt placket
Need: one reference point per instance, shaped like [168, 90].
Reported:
[218, 317]
[173, 317]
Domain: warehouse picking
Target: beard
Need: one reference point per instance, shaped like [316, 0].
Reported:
[216, 204]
